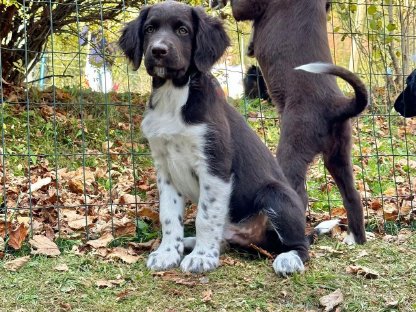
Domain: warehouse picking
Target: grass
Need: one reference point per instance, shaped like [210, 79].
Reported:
[76, 131]
[250, 285]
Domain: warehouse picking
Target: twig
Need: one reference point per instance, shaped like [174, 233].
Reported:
[262, 251]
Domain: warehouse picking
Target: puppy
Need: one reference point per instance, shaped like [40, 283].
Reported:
[219, 4]
[203, 149]
[254, 85]
[405, 103]
[315, 115]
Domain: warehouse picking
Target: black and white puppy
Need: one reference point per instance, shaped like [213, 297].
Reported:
[204, 150]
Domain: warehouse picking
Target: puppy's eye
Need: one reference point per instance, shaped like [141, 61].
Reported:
[149, 29]
[182, 31]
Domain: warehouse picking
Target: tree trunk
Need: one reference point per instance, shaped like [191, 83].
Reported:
[359, 27]
[23, 41]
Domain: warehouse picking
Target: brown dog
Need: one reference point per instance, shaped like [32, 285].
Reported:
[315, 115]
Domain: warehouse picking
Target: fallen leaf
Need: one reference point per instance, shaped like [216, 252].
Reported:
[146, 246]
[103, 284]
[338, 212]
[81, 222]
[62, 268]
[76, 186]
[390, 212]
[207, 295]
[375, 205]
[362, 271]
[103, 241]
[405, 209]
[2, 244]
[17, 236]
[185, 282]
[40, 183]
[331, 301]
[230, 261]
[5, 228]
[330, 249]
[129, 199]
[392, 304]
[41, 245]
[123, 295]
[122, 254]
[204, 280]
[362, 253]
[109, 283]
[390, 192]
[147, 212]
[16, 264]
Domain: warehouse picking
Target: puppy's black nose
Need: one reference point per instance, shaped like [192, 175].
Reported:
[159, 50]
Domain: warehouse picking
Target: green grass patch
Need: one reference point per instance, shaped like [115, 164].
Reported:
[249, 285]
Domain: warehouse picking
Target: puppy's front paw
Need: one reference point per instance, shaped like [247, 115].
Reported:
[164, 258]
[200, 261]
[288, 263]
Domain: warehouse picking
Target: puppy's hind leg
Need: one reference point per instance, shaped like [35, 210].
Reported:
[338, 162]
[287, 217]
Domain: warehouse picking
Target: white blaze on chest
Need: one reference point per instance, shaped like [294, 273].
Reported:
[177, 147]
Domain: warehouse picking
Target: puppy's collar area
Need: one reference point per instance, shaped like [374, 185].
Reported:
[158, 82]
[168, 97]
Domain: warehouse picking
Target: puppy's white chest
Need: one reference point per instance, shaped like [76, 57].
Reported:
[177, 148]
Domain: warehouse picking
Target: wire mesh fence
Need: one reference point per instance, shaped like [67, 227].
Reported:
[74, 163]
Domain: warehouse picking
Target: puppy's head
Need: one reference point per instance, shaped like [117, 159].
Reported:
[175, 40]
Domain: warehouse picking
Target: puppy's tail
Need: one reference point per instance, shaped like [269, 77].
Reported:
[353, 106]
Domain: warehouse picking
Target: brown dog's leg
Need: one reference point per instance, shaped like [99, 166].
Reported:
[337, 160]
[295, 152]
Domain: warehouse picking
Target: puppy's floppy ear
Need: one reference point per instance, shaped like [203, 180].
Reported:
[211, 40]
[131, 40]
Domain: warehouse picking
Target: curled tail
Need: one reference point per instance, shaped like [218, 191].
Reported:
[352, 106]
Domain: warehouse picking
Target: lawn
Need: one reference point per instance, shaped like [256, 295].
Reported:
[241, 283]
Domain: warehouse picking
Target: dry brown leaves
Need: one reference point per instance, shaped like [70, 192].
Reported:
[226, 260]
[101, 242]
[124, 255]
[61, 268]
[16, 264]
[362, 271]
[332, 301]
[41, 245]
[2, 246]
[109, 283]
[17, 236]
[206, 295]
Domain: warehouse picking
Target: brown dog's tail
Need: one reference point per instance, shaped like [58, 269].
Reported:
[353, 106]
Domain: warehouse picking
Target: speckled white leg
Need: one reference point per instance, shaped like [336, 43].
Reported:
[170, 251]
[210, 220]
